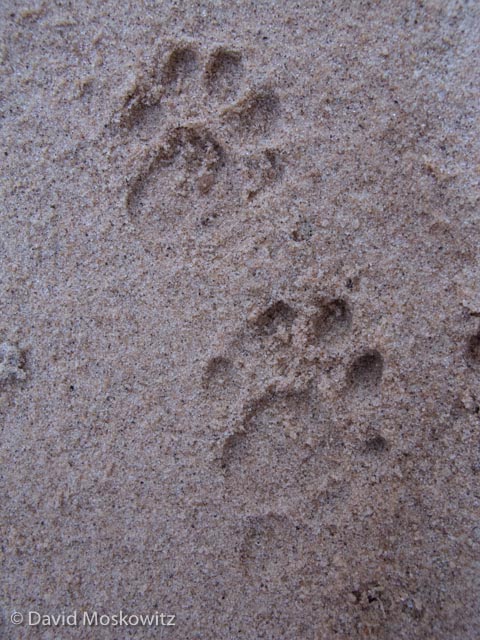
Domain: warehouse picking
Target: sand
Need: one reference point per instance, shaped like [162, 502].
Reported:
[240, 320]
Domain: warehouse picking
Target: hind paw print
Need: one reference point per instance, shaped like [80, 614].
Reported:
[281, 448]
[206, 139]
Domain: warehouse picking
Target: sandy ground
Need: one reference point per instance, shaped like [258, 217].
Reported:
[240, 319]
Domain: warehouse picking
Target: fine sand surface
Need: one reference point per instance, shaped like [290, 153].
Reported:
[240, 318]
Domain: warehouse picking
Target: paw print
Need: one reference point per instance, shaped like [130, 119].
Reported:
[207, 140]
[280, 378]
[283, 386]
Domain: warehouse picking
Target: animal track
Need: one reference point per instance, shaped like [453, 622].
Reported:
[282, 449]
[204, 135]
[223, 73]
[182, 63]
[472, 352]
[11, 364]
[376, 443]
[366, 370]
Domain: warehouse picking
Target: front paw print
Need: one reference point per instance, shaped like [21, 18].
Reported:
[207, 140]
